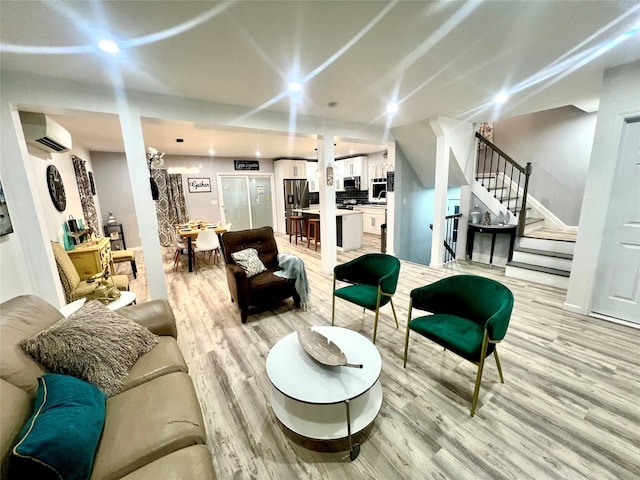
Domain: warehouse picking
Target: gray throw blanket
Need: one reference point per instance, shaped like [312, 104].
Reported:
[293, 267]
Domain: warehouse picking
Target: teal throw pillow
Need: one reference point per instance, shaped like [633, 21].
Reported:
[60, 438]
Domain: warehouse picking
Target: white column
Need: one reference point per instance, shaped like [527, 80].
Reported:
[440, 196]
[145, 208]
[326, 157]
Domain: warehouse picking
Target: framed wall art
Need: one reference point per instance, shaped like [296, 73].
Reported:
[197, 185]
[5, 221]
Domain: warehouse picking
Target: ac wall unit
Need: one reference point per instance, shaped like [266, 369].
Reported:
[45, 133]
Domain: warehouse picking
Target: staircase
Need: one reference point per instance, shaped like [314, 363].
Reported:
[544, 248]
[543, 256]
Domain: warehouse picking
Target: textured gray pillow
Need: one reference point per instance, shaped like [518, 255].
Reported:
[250, 261]
[93, 344]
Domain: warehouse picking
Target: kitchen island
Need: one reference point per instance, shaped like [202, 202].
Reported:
[348, 226]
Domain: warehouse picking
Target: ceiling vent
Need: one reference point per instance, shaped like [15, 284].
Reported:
[44, 133]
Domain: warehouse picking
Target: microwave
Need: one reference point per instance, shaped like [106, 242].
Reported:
[351, 183]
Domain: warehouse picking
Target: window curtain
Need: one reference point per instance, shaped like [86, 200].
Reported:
[171, 206]
[86, 197]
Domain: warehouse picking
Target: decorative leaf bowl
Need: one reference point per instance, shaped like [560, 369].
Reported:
[321, 349]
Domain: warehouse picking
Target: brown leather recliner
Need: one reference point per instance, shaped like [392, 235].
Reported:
[264, 288]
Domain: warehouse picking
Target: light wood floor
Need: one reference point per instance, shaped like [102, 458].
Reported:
[568, 408]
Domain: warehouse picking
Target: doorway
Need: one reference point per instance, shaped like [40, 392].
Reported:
[246, 201]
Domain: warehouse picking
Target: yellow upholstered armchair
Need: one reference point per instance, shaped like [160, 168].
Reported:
[73, 287]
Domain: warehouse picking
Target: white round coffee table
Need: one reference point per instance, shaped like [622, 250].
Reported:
[322, 402]
[126, 298]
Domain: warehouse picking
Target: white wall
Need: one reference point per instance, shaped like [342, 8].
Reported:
[620, 98]
[62, 161]
[413, 213]
[13, 278]
[558, 144]
[113, 187]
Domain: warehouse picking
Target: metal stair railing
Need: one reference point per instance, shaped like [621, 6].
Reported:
[490, 161]
[450, 236]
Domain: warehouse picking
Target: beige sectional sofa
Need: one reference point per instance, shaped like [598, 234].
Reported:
[153, 428]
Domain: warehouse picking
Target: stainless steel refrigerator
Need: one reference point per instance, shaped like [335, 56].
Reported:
[296, 195]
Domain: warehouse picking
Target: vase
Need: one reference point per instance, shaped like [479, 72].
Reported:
[476, 215]
[111, 220]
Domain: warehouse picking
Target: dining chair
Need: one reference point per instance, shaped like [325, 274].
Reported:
[181, 249]
[208, 242]
[470, 316]
[373, 278]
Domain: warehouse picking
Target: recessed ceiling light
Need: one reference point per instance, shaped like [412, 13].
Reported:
[351, 152]
[501, 97]
[392, 107]
[295, 86]
[212, 151]
[109, 46]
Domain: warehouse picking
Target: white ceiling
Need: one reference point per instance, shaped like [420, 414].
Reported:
[433, 58]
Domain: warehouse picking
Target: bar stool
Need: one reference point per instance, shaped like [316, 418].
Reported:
[315, 223]
[296, 227]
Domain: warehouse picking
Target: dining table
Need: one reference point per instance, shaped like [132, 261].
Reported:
[191, 230]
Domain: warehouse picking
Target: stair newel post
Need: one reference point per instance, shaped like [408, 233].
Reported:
[523, 208]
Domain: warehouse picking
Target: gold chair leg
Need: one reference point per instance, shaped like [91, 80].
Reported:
[375, 325]
[406, 339]
[483, 352]
[495, 355]
[394, 312]
[333, 300]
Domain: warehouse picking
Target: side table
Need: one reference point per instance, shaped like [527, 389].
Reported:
[126, 298]
[493, 230]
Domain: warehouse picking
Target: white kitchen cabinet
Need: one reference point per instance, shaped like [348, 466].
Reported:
[293, 168]
[313, 176]
[372, 219]
[357, 167]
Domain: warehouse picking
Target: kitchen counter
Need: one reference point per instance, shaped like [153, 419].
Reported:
[348, 226]
[371, 205]
[316, 211]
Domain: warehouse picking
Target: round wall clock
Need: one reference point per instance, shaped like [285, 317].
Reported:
[56, 188]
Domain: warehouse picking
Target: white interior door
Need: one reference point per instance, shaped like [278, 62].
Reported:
[617, 286]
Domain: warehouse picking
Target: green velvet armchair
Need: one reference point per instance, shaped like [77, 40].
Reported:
[470, 316]
[373, 278]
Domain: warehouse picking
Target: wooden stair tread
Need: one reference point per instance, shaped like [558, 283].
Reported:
[550, 234]
[544, 253]
[538, 268]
